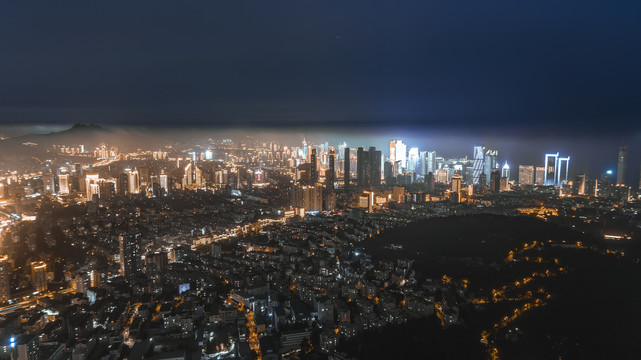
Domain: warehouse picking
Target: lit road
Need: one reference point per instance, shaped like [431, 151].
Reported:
[31, 301]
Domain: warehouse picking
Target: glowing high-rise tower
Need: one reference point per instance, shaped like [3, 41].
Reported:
[551, 163]
[479, 156]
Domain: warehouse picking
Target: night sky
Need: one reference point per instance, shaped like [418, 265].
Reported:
[564, 65]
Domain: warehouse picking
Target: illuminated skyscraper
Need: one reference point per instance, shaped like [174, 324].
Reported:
[346, 171]
[526, 175]
[304, 148]
[422, 163]
[341, 151]
[91, 184]
[134, 182]
[622, 164]
[479, 156]
[63, 184]
[539, 175]
[556, 169]
[6, 270]
[398, 155]
[456, 182]
[412, 160]
[551, 168]
[130, 254]
[431, 162]
[563, 171]
[164, 182]
[39, 275]
[505, 171]
[392, 151]
[489, 163]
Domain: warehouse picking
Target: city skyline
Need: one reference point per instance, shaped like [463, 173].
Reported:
[592, 156]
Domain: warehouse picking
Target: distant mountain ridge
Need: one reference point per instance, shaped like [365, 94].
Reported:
[80, 127]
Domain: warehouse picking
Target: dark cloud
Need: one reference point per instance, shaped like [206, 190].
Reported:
[476, 65]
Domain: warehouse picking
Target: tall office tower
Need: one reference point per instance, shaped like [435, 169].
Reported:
[307, 197]
[422, 163]
[39, 275]
[63, 184]
[362, 167]
[412, 160]
[375, 158]
[539, 175]
[621, 165]
[392, 151]
[579, 185]
[482, 181]
[305, 148]
[563, 172]
[49, 184]
[505, 171]
[398, 154]
[489, 163]
[330, 174]
[313, 167]
[388, 171]
[431, 162]
[551, 168]
[346, 171]
[130, 254]
[91, 184]
[6, 269]
[134, 182]
[526, 175]
[164, 184]
[429, 182]
[495, 181]
[341, 151]
[456, 182]
[479, 156]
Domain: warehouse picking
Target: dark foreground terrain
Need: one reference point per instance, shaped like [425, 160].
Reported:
[569, 295]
